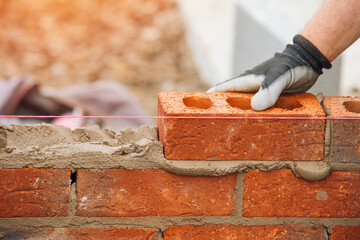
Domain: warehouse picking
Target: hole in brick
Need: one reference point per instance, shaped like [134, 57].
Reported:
[284, 102]
[239, 102]
[287, 102]
[352, 106]
[197, 102]
[73, 177]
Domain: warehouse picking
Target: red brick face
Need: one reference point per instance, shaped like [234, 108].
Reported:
[120, 192]
[345, 233]
[281, 194]
[77, 233]
[215, 232]
[34, 192]
[239, 139]
[345, 135]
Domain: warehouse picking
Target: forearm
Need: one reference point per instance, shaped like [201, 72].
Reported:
[334, 27]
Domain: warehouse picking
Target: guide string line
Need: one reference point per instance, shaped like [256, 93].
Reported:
[183, 117]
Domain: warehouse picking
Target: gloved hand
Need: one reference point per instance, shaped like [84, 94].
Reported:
[294, 70]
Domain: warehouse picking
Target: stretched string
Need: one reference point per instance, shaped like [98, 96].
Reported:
[182, 117]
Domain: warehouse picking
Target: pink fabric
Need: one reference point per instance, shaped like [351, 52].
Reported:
[21, 95]
[13, 91]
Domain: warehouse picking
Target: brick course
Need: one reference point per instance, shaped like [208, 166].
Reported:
[108, 202]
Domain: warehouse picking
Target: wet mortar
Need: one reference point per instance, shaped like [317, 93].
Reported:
[50, 146]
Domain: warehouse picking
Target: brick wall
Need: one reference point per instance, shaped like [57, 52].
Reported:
[97, 184]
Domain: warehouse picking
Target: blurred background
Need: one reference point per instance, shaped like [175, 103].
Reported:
[156, 45]
[229, 36]
[139, 43]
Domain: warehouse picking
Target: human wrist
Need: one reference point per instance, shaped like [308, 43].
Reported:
[314, 51]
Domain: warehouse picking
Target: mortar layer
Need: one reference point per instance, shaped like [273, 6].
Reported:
[49, 146]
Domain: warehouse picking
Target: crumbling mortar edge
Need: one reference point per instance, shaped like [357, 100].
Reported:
[147, 153]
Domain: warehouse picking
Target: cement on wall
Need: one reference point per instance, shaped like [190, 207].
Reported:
[51, 146]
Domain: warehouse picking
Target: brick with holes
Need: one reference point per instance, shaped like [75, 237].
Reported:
[215, 138]
[345, 134]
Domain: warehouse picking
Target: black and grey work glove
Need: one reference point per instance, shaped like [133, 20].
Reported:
[294, 70]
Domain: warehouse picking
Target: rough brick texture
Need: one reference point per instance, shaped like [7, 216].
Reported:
[345, 140]
[34, 192]
[281, 194]
[345, 233]
[216, 232]
[120, 192]
[239, 139]
[83, 233]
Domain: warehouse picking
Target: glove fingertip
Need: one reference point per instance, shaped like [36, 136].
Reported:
[262, 101]
[218, 88]
[211, 90]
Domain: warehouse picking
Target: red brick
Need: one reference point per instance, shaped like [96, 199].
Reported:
[242, 232]
[239, 139]
[151, 192]
[281, 194]
[34, 192]
[345, 233]
[84, 233]
[345, 134]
